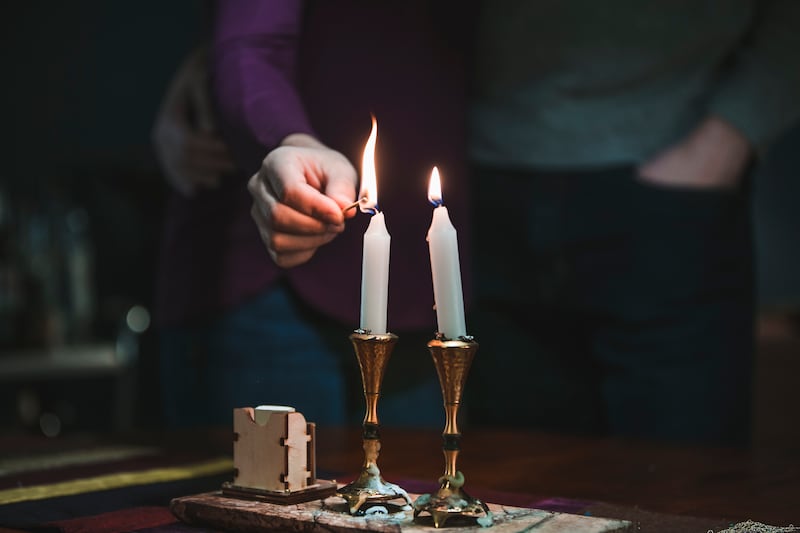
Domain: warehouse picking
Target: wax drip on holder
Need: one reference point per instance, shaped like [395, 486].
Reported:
[370, 489]
[452, 359]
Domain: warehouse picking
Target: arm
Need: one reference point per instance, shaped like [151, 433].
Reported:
[300, 188]
[760, 94]
[755, 101]
[254, 75]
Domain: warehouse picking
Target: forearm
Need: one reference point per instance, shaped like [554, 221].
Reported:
[302, 140]
[253, 57]
[758, 93]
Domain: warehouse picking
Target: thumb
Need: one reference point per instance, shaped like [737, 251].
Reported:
[341, 185]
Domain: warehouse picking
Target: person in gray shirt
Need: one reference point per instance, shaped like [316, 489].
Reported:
[612, 144]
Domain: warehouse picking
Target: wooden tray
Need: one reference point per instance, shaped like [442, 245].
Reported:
[329, 515]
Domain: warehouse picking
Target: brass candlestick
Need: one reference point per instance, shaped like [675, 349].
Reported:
[452, 359]
[373, 352]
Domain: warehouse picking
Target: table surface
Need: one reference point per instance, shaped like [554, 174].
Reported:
[641, 481]
[763, 485]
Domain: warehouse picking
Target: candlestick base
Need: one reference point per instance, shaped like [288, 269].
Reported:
[451, 501]
[370, 489]
[453, 359]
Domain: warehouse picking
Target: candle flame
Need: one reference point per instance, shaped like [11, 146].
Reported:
[435, 188]
[368, 196]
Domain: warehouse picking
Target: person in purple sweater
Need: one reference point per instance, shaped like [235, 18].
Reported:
[245, 324]
[612, 153]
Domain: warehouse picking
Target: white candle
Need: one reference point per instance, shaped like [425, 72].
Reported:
[375, 276]
[375, 263]
[445, 266]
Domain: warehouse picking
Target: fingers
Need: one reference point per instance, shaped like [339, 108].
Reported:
[189, 158]
[202, 161]
[298, 196]
[341, 188]
[288, 249]
[293, 183]
[283, 217]
[191, 154]
[209, 161]
[301, 179]
[201, 177]
[208, 146]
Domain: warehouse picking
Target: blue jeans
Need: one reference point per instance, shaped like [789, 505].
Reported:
[274, 350]
[606, 305]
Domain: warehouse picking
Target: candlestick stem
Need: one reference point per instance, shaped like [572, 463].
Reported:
[373, 352]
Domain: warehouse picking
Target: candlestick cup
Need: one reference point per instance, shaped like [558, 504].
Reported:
[370, 489]
[452, 359]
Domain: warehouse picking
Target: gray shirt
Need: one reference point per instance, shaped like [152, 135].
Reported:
[588, 83]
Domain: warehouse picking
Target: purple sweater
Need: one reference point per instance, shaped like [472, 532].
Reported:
[280, 68]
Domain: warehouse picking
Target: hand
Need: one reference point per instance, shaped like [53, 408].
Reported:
[191, 154]
[298, 197]
[713, 156]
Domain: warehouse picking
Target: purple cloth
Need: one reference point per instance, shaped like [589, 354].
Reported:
[280, 69]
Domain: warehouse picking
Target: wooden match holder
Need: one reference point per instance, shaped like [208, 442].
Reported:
[274, 457]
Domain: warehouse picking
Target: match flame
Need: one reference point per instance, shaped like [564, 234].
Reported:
[368, 196]
[435, 188]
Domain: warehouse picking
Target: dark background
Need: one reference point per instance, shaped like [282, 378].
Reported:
[80, 85]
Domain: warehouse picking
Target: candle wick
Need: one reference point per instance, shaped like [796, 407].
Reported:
[374, 210]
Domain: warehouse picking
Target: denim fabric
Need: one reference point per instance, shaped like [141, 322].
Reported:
[606, 305]
[274, 350]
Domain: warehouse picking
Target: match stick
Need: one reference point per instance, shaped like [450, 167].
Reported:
[354, 204]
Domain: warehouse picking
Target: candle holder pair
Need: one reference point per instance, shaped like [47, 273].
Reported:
[452, 359]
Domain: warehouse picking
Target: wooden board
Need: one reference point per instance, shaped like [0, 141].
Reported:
[320, 490]
[329, 515]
